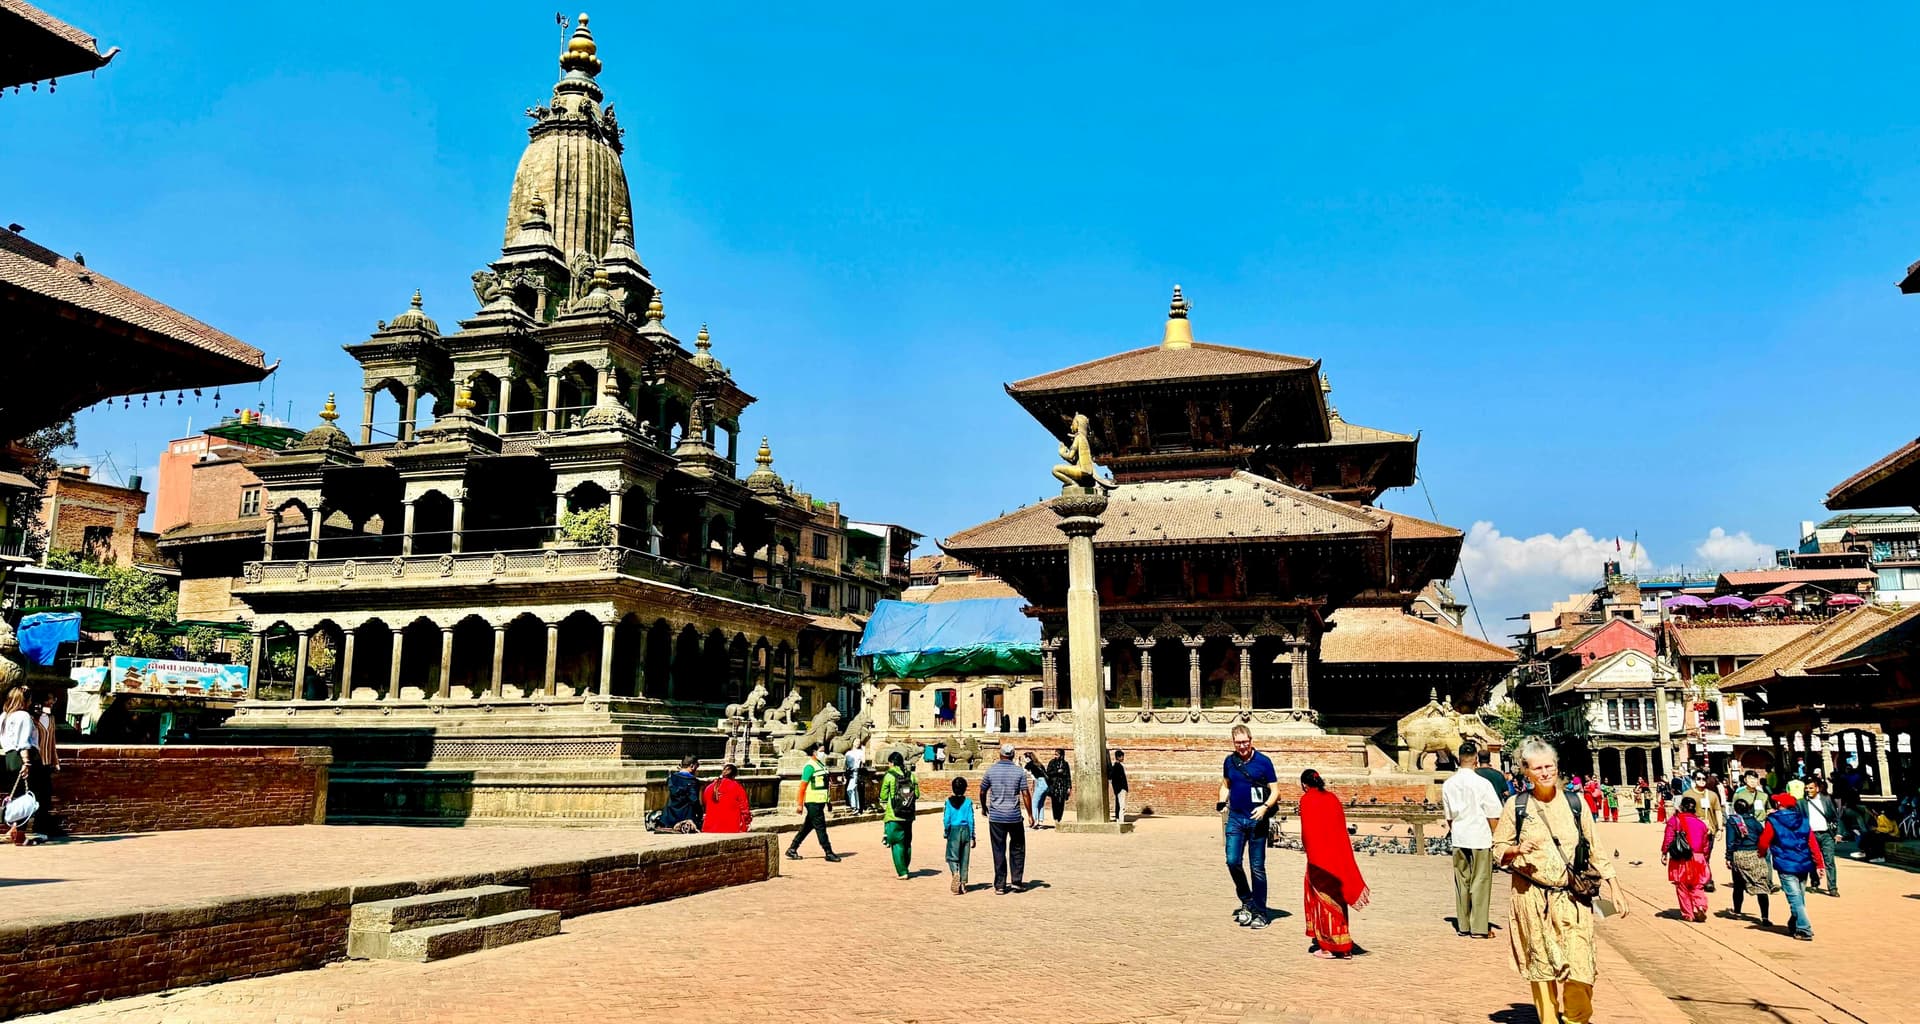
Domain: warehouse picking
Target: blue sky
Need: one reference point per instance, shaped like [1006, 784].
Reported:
[1626, 273]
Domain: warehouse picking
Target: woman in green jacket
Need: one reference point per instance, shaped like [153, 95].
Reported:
[899, 792]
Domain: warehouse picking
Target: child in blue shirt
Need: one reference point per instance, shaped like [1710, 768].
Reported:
[956, 823]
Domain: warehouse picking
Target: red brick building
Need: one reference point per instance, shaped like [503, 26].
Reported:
[95, 518]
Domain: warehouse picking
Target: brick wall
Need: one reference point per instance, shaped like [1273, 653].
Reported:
[215, 489]
[74, 501]
[100, 790]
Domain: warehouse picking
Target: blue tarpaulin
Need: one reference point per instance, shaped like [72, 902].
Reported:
[40, 635]
[912, 641]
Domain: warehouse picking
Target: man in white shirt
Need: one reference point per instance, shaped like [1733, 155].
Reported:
[1473, 809]
[855, 759]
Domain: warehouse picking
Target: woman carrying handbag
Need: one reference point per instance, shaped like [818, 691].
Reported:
[17, 747]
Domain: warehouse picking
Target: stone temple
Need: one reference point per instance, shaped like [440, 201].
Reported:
[1243, 574]
[532, 603]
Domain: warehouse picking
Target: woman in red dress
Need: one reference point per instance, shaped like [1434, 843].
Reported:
[1333, 877]
[726, 801]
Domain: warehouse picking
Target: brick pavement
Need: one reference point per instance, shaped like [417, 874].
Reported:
[1124, 928]
[1856, 969]
[96, 876]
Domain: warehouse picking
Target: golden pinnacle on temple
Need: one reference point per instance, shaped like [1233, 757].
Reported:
[1179, 333]
[764, 457]
[656, 309]
[703, 341]
[582, 55]
[330, 411]
[537, 207]
[464, 401]
[416, 298]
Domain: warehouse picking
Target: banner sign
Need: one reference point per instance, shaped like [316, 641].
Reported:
[176, 678]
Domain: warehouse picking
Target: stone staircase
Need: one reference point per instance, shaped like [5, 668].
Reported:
[438, 925]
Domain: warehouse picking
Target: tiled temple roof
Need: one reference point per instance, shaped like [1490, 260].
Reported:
[1155, 363]
[1834, 636]
[1389, 636]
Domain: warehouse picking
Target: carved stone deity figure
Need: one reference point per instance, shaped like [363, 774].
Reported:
[1078, 472]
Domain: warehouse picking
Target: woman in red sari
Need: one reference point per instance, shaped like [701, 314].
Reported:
[1333, 876]
[726, 800]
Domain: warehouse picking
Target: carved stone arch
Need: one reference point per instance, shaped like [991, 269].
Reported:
[1119, 631]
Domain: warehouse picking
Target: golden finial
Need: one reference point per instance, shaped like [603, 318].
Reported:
[656, 309]
[464, 401]
[330, 412]
[703, 341]
[765, 455]
[1326, 386]
[416, 298]
[1179, 333]
[582, 54]
[601, 282]
[537, 207]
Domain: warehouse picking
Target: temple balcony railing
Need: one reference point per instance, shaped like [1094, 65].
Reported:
[510, 566]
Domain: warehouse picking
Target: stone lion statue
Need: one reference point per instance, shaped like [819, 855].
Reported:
[783, 715]
[1438, 729]
[750, 708]
[825, 726]
[12, 670]
[858, 730]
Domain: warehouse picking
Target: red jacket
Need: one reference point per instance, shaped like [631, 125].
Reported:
[726, 807]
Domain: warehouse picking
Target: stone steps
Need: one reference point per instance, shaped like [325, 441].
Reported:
[435, 926]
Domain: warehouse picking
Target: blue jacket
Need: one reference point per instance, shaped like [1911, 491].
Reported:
[1789, 846]
[951, 815]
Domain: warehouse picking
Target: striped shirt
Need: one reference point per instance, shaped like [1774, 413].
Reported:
[1001, 787]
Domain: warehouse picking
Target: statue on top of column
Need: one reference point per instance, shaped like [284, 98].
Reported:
[1078, 472]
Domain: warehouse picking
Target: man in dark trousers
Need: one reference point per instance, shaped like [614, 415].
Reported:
[1007, 793]
[1117, 778]
[1059, 783]
[815, 789]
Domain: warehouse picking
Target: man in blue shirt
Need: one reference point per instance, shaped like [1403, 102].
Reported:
[1007, 793]
[1248, 793]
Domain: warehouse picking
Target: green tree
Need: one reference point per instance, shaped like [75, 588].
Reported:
[201, 642]
[588, 526]
[129, 591]
[23, 508]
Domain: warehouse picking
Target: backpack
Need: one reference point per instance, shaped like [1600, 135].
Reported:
[905, 796]
[1583, 882]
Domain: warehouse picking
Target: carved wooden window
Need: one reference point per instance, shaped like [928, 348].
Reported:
[250, 502]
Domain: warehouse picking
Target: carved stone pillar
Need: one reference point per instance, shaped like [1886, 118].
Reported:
[314, 524]
[393, 669]
[1194, 643]
[506, 402]
[1884, 780]
[253, 665]
[1245, 644]
[553, 401]
[406, 527]
[616, 513]
[366, 418]
[1050, 674]
[410, 412]
[499, 659]
[606, 658]
[446, 663]
[345, 688]
[1145, 645]
[553, 657]
[273, 527]
[300, 665]
[1665, 749]
[459, 519]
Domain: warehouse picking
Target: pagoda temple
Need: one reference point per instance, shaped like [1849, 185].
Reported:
[1242, 571]
[530, 603]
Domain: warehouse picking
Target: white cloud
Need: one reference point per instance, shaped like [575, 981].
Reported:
[1723, 550]
[1511, 575]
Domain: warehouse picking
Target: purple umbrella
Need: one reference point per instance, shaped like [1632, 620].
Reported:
[1683, 601]
[1731, 601]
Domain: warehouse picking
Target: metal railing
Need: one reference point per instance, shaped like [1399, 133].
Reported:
[13, 540]
[487, 566]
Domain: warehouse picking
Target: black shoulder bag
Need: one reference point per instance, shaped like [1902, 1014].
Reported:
[1583, 881]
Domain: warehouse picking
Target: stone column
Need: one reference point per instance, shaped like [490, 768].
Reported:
[606, 658]
[1079, 510]
[315, 524]
[273, 527]
[1049, 675]
[446, 662]
[253, 665]
[366, 418]
[506, 402]
[553, 401]
[553, 657]
[300, 665]
[1665, 750]
[616, 513]
[1145, 646]
[1245, 644]
[346, 666]
[411, 412]
[406, 527]
[392, 673]
[1194, 643]
[499, 659]
[1885, 780]
[459, 519]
